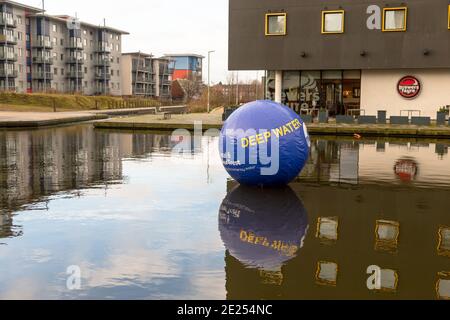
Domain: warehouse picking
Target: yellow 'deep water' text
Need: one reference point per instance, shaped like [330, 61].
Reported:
[264, 137]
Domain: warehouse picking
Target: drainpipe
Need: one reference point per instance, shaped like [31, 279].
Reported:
[278, 85]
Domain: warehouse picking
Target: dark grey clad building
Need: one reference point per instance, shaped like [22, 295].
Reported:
[347, 56]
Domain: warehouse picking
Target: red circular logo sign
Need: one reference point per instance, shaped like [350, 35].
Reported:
[409, 87]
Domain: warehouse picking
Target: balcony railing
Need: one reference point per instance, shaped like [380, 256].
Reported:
[8, 74]
[8, 88]
[102, 76]
[8, 39]
[74, 74]
[75, 60]
[143, 80]
[103, 49]
[42, 60]
[39, 75]
[73, 44]
[102, 91]
[8, 21]
[141, 90]
[101, 63]
[10, 56]
[43, 43]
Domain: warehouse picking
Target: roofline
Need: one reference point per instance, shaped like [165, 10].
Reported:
[61, 19]
[142, 54]
[184, 55]
[20, 5]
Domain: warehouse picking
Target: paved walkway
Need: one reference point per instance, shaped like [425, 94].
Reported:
[11, 119]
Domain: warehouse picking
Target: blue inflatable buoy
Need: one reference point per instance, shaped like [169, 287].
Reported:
[264, 143]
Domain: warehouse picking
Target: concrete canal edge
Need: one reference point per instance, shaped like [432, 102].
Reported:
[314, 129]
[50, 122]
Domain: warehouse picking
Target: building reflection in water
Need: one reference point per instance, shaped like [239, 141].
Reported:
[35, 165]
[261, 229]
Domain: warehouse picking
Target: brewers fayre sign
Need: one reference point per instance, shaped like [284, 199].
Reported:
[409, 87]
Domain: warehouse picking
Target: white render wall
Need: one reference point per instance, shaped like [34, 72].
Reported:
[379, 91]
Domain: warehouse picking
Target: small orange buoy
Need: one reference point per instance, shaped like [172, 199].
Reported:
[357, 136]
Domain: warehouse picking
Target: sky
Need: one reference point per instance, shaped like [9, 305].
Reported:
[161, 26]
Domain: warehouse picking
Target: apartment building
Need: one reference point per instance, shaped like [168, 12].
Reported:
[45, 53]
[186, 66]
[146, 76]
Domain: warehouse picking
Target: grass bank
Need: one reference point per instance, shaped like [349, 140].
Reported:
[39, 102]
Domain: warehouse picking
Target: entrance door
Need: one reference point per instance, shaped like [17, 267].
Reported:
[332, 95]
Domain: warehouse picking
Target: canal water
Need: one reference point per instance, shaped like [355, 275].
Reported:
[91, 214]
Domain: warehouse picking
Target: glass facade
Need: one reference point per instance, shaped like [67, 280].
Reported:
[307, 92]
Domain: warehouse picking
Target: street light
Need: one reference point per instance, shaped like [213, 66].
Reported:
[209, 78]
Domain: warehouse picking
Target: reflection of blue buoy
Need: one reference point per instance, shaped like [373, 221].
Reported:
[264, 143]
[263, 228]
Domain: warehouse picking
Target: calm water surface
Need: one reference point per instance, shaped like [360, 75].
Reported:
[141, 222]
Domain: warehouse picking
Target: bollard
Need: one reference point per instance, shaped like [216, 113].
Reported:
[54, 105]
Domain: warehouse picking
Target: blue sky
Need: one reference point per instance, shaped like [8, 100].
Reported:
[160, 26]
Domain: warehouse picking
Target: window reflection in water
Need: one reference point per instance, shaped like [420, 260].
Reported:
[327, 229]
[443, 286]
[389, 280]
[444, 241]
[327, 273]
[387, 235]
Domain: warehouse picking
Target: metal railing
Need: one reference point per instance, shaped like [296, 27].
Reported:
[102, 76]
[8, 73]
[7, 21]
[75, 60]
[42, 60]
[8, 39]
[74, 74]
[8, 56]
[42, 43]
[39, 75]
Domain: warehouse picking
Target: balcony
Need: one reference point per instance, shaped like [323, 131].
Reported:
[42, 43]
[103, 49]
[42, 60]
[8, 74]
[102, 76]
[39, 75]
[75, 75]
[75, 60]
[8, 88]
[10, 56]
[7, 22]
[102, 91]
[8, 39]
[103, 63]
[142, 80]
[75, 44]
[143, 92]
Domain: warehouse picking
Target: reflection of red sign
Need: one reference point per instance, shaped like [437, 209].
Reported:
[406, 169]
[409, 87]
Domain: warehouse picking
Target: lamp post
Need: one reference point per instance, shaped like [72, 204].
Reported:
[209, 78]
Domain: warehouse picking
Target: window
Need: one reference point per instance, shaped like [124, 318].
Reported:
[55, 28]
[276, 24]
[394, 19]
[333, 21]
[55, 71]
[62, 42]
[448, 17]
